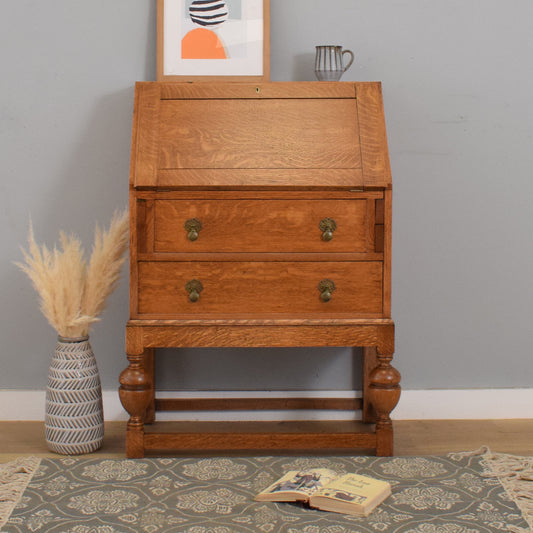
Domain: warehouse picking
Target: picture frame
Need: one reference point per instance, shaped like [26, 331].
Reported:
[208, 40]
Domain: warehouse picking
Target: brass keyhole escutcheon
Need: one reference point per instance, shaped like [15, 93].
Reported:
[326, 288]
[327, 227]
[194, 288]
[192, 227]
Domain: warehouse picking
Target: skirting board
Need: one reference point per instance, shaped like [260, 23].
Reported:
[469, 404]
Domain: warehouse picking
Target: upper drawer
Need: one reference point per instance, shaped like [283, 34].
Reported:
[263, 225]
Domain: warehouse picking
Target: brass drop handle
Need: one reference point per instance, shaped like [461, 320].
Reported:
[194, 288]
[192, 227]
[327, 227]
[326, 288]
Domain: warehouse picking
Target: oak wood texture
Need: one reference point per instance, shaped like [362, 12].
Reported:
[259, 91]
[262, 178]
[240, 404]
[260, 167]
[234, 333]
[370, 362]
[259, 441]
[263, 225]
[274, 111]
[161, 76]
[374, 150]
[212, 134]
[261, 287]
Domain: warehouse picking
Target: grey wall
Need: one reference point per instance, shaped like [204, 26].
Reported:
[458, 80]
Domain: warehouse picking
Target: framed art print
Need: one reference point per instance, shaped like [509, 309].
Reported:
[202, 40]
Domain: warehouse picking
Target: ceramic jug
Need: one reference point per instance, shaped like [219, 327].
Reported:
[329, 64]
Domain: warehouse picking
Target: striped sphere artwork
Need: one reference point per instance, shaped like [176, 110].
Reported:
[74, 416]
[209, 13]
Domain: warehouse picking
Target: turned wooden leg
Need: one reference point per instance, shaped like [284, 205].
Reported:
[370, 361]
[135, 394]
[149, 366]
[384, 392]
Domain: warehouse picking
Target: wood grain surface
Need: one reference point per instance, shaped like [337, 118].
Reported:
[306, 133]
[260, 287]
[374, 147]
[255, 91]
[262, 226]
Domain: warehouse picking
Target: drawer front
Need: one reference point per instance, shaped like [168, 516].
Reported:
[263, 226]
[260, 288]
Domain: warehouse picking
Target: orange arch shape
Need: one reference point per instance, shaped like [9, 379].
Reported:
[202, 43]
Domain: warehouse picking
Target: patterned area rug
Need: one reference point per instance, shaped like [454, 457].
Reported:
[459, 493]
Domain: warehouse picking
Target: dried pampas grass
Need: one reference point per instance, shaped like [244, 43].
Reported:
[72, 293]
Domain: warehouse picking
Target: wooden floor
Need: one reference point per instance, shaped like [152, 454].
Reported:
[417, 437]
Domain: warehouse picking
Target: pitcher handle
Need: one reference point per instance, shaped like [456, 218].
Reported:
[352, 57]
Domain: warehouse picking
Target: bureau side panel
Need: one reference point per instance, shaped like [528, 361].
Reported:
[141, 212]
[134, 267]
[374, 149]
[145, 142]
[387, 249]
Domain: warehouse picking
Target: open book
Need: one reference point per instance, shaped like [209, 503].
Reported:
[322, 489]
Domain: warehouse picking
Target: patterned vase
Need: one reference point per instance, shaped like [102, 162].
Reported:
[74, 415]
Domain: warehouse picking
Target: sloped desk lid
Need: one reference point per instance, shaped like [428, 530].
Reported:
[270, 135]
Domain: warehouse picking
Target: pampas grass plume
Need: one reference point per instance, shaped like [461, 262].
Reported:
[72, 293]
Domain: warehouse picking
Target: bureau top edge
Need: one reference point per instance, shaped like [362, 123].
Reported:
[265, 90]
[251, 189]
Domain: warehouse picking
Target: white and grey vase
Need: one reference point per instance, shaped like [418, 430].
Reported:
[74, 415]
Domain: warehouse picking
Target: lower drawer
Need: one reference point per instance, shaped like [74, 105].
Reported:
[168, 288]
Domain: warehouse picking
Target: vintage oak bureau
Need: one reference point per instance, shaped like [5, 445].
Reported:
[260, 216]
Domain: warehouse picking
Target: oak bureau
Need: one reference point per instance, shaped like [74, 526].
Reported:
[260, 216]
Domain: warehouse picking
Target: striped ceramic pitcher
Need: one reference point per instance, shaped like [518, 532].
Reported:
[329, 64]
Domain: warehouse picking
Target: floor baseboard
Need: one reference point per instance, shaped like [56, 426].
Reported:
[467, 404]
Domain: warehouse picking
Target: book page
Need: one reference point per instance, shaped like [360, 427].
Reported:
[354, 489]
[303, 482]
